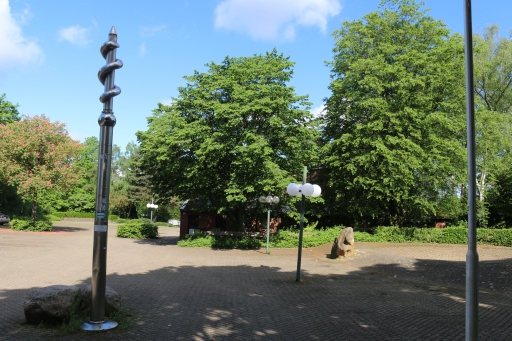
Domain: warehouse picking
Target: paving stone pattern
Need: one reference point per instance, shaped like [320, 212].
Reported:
[383, 292]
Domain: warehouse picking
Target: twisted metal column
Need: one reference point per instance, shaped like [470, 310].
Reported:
[106, 121]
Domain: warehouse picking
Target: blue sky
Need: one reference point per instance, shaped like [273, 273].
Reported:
[49, 50]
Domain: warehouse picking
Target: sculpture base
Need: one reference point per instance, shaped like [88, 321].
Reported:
[98, 326]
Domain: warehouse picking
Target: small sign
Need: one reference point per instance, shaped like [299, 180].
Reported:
[100, 228]
[100, 215]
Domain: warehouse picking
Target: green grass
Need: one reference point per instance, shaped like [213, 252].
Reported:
[74, 325]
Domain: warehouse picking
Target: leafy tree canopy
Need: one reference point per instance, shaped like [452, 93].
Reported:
[234, 133]
[37, 155]
[8, 111]
[395, 120]
[493, 87]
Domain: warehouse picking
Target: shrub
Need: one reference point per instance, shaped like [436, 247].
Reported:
[137, 229]
[30, 225]
[391, 234]
[281, 239]
[219, 242]
[449, 235]
[196, 240]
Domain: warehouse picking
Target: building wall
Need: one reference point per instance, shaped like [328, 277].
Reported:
[204, 220]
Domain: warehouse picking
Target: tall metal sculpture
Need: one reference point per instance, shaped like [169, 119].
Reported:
[106, 121]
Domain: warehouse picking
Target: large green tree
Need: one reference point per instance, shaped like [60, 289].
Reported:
[394, 124]
[8, 111]
[9, 200]
[83, 195]
[234, 133]
[493, 88]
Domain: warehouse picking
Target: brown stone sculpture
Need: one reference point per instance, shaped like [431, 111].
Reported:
[343, 244]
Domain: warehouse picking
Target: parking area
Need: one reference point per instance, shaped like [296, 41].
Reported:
[384, 292]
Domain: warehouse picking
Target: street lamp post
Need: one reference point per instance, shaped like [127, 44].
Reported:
[151, 207]
[268, 200]
[302, 191]
[472, 253]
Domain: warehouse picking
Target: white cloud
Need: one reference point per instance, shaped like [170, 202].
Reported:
[319, 111]
[15, 50]
[168, 101]
[149, 31]
[78, 136]
[25, 16]
[142, 49]
[274, 20]
[76, 35]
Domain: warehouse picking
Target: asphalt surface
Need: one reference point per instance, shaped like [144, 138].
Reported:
[384, 292]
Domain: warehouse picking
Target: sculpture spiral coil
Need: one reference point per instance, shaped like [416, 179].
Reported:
[106, 73]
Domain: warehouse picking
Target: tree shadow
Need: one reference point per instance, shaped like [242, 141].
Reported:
[265, 303]
[159, 241]
[68, 229]
[5, 227]
[56, 229]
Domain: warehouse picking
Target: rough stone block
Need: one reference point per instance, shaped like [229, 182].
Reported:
[53, 304]
[343, 244]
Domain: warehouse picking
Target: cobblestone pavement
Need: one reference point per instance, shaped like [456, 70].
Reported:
[384, 292]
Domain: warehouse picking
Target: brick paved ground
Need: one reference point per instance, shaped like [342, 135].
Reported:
[384, 292]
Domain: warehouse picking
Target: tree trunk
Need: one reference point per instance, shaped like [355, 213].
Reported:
[481, 189]
[34, 207]
[241, 218]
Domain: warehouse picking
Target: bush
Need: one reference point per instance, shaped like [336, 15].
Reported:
[30, 225]
[137, 229]
[288, 239]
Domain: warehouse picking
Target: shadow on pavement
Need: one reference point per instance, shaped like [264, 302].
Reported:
[7, 228]
[160, 241]
[68, 229]
[265, 303]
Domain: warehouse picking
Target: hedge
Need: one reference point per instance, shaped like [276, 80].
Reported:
[449, 235]
[81, 215]
[30, 225]
[219, 242]
[290, 239]
[137, 229]
[281, 239]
